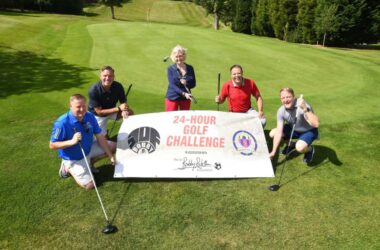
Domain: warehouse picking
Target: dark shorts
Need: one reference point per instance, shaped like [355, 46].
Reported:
[308, 136]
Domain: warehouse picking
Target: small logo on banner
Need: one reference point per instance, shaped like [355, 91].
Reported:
[217, 165]
[244, 142]
[143, 140]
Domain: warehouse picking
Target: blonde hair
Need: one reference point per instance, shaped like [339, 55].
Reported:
[176, 50]
[289, 90]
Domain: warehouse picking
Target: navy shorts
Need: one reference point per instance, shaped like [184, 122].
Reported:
[307, 136]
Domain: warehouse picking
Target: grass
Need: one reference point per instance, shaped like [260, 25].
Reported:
[152, 11]
[45, 58]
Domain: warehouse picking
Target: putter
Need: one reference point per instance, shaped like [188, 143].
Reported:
[114, 122]
[109, 228]
[218, 88]
[277, 186]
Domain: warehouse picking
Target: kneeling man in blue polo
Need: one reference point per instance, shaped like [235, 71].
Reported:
[78, 125]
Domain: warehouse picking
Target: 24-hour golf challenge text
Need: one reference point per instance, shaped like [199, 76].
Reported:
[194, 132]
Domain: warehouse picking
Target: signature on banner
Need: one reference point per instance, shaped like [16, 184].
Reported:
[196, 164]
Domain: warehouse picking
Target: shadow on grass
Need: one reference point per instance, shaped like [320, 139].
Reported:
[107, 172]
[362, 46]
[121, 202]
[25, 72]
[322, 156]
[15, 12]
[90, 14]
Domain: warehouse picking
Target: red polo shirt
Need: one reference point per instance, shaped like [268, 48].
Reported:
[239, 97]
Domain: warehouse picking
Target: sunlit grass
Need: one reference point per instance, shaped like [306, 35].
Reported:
[46, 58]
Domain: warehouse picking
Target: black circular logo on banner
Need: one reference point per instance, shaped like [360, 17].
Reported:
[143, 140]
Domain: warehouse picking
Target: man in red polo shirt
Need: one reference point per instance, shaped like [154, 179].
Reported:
[238, 90]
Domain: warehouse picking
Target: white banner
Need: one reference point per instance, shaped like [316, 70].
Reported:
[192, 144]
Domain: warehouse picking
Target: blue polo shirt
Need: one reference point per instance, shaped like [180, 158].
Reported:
[99, 97]
[64, 129]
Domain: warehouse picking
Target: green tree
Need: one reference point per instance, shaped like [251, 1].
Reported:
[261, 25]
[305, 19]
[254, 4]
[288, 19]
[112, 4]
[67, 6]
[374, 26]
[55, 6]
[283, 15]
[358, 22]
[326, 20]
[273, 9]
[343, 22]
[243, 15]
[221, 9]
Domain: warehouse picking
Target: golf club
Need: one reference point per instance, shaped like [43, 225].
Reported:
[114, 122]
[277, 186]
[109, 228]
[165, 58]
[192, 98]
[218, 88]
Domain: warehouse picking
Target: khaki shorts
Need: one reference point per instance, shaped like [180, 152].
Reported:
[102, 121]
[79, 170]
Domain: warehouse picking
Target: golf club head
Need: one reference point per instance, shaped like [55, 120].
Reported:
[274, 187]
[109, 229]
[165, 58]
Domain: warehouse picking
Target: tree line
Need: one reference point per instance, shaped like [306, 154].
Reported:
[54, 6]
[333, 22]
[58, 6]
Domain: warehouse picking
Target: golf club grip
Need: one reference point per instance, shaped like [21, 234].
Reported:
[76, 131]
[298, 108]
[129, 89]
[218, 90]
[218, 83]
[192, 98]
